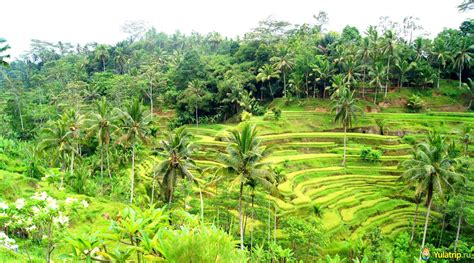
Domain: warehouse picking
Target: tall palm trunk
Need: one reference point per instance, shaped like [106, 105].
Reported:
[133, 173]
[459, 230]
[202, 205]
[442, 229]
[460, 72]
[269, 224]
[284, 85]
[270, 89]
[102, 162]
[153, 187]
[345, 142]
[108, 160]
[19, 112]
[439, 75]
[151, 100]
[414, 223]
[363, 85]
[426, 224]
[275, 225]
[251, 228]
[375, 97]
[388, 77]
[240, 216]
[197, 117]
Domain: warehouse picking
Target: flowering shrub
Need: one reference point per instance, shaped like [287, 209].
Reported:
[41, 217]
[7, 242]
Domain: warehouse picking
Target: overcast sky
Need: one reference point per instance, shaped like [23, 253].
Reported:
[82, 21]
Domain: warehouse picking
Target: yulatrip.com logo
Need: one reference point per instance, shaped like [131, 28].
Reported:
[425, 255]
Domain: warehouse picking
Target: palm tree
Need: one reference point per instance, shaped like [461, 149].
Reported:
[470, 88]
[266, 74]
[284, 63]
[3, 49]
[377, 74]
[177, 150]
[388, 48]
[57, 137]
[324, 70]
[466, 139]
[364, 54]
[346, 113]
[431, 170]
[102, 54]
[195, 92]
[134, 125]
[442, 56]
[75, 122]
[463, 57]
[102, 123]
[338, 86]
[403, 68]
[244, 160]
[350, 68]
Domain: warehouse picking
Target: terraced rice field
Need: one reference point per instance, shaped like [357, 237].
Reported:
[352, 199]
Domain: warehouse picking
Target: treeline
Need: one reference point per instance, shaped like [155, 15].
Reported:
[209, 78]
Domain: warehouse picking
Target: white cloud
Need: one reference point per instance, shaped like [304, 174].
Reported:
[82, 21]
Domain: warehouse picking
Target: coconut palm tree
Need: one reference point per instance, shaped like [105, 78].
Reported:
[442, 56]
[403, 67]
[346, 113]
[244, 162]
[102, 124]
[323, 70]
[363, 54]
[466, 139]
[194, 92]
[284, 63]
[177, 149]
[266, 74]
[134, 124]
[388, 49]
[57, 138]
[75, 121]
[470, 88]
[102, 54]
[338, 86]
[462, 57]
[377, 74]
[431, 170]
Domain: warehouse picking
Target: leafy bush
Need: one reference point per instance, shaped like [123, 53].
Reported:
[415, 103]
[409, 139]
[245, 116]
[276, 113]
[258, 110]
[370, 155]
[201, 244]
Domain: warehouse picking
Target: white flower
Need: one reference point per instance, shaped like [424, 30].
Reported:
[70, 200]
[35, 210]
[20, 203]
[31, 228]
[61, 219]
[40, 196]
[85, 203]
[7, 242]
[52, 203]
[3, 206]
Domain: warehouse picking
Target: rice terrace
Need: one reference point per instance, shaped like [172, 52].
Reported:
[293, 142]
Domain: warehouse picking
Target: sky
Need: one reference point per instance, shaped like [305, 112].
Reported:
[84, 21]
